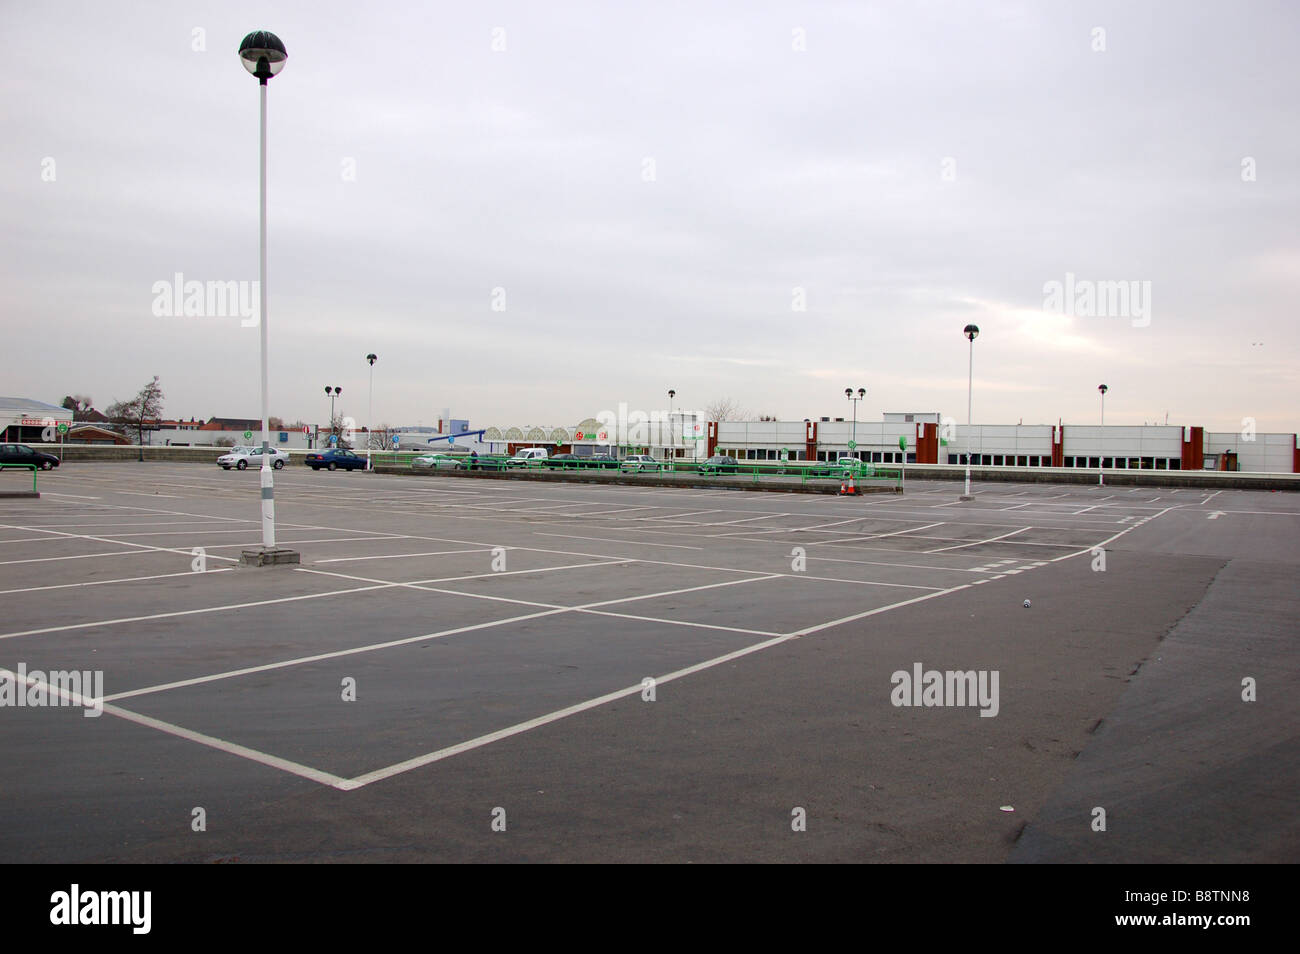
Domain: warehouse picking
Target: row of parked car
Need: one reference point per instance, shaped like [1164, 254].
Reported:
[241, 458]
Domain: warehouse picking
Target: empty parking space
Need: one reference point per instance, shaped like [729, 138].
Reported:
[435, 617]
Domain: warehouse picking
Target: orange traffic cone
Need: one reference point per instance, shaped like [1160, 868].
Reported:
[843, 492]
[852, 489]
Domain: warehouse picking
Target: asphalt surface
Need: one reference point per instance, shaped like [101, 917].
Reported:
[497, 635]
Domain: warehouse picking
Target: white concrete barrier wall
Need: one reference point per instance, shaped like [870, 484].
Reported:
[1266, 453]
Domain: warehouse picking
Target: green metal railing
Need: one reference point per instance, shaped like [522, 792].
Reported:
[807, 472]
[31, 467]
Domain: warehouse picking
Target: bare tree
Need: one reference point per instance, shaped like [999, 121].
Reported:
[337, 426]
[132, 415]
[78, 404]
[381, 435]
[726, 409]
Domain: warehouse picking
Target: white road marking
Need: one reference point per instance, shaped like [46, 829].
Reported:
[626, 543]
[189, 612]
[402, 556]
[129, 579]
[231, 748]
[989, 540]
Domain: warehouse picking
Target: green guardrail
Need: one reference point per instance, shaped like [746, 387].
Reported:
[806, 471]
[31, 467]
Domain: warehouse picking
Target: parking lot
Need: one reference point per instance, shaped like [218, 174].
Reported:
[464, 669]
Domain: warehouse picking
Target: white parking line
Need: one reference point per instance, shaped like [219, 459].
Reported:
[989, 540]
[403, 556]
[388, 644]
[875, 536]
[190, 612]
[128, 579]
[231, 748]
[629, 543]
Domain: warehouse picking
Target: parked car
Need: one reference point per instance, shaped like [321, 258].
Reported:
[438, 462]
[602, 460]
[565, 461]
[22, 454]
[528, 456]
[719, 465]
[640, 462]
[241, 458]
[334, 459]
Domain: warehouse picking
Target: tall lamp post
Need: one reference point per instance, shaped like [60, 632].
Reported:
[263, 55]
[671, 394]
[971, 332]
[848, 393]
[1101, 473]
[333, 392]
[370, 414]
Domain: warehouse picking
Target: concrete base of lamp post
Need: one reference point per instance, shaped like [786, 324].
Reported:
[264, 557]
[966, 498]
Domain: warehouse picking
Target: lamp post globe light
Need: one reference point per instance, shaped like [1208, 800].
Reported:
[971, 332]
[263, 55]
[848, 393]
[370, 413]
[1101, 475]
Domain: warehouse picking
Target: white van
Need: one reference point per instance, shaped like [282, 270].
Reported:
[527, 456]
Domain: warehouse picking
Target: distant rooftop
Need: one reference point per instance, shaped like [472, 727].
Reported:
[17, 403]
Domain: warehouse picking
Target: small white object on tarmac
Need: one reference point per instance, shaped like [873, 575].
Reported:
[1026, 604]
[1008, 808]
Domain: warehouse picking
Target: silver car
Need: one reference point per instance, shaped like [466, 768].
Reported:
[438, 462]
[241, 458]
[640, 462]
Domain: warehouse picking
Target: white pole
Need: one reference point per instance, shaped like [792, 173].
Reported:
[672, 452]
[370, 417]
[970, 378]
[268, 488]
[1101, 474]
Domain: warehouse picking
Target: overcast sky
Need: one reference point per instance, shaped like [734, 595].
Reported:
[651, 191]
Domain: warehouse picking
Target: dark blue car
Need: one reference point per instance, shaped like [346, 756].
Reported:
[335, 459]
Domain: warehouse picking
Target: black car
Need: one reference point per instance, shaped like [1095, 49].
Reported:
[719, 465]
[334, 459]
[22, 454]
[603, 460]
[567, 461]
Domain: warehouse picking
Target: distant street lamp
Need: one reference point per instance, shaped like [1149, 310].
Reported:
[971, 332]
[1101, 475]
[263, 55]
[672, 437]
[370, 414]
[848, 393]
[333, 392]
